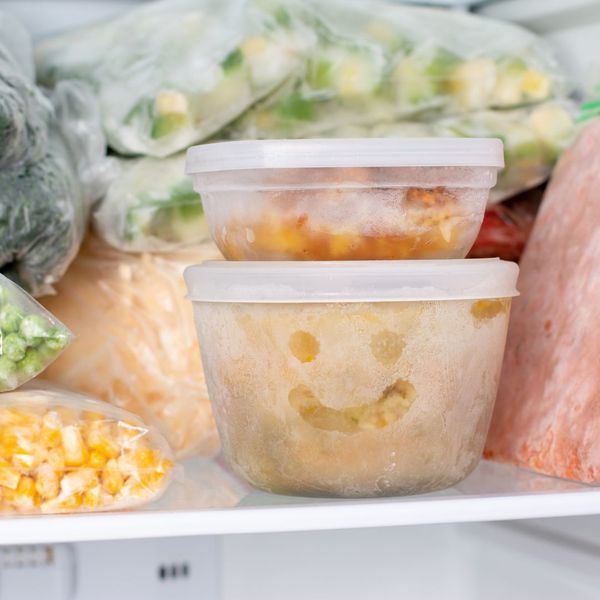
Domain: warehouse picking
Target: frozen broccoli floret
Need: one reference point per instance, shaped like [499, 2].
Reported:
[14, 347]
[10, 318]
[8, 374]
[31, 364]
[34, 328]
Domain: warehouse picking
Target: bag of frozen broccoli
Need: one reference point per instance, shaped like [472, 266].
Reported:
[24, 111]
[45, 202]
[30, 337]
[80, 454]
[151, 207]
[172, 73]
[376, 61]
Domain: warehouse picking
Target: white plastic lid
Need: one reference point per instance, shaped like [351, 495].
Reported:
[351, 281]
[358, 152]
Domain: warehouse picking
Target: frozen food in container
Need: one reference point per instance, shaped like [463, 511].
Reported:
[352, 378]
[345, 199]
[30, 336]
[64, 452]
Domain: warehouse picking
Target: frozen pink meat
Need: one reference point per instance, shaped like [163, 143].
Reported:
[547, 415]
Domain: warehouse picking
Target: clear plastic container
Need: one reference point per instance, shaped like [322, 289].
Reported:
[345, 199]
[352, 378]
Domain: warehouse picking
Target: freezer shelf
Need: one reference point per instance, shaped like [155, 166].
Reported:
[208, 500]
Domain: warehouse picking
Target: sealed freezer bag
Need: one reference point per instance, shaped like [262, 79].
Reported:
[135, 344]
[64, 452]
[24, 110]
[376, 61]
[45, 203]
[172, 73]
[30, 337]
[533, 138]
[151, 207]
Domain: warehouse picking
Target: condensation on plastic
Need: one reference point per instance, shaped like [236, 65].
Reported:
[172, 73]
[65, 452]
[30, 337]
[533, 138]
[24, 110]
[375, 62]
[151, 207]
[135, 344]
[353, 399]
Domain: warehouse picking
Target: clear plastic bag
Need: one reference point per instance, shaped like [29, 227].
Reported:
[30, 337]
[64, 452]
[45, 203]
[135, 342]
[376, 62]
[151, 207]
[172, 73]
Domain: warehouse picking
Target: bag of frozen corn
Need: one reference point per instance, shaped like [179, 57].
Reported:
[135, 343]
[30, 337]
[376, 61]
[171, 73]
[64, 452]
[151, 207]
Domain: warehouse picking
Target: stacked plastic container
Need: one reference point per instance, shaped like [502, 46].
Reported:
[349, 348]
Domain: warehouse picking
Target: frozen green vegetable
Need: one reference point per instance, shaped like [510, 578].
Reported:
[375, 62]
[151, 207]
[45, 202]
[30, 337]
[172, 73]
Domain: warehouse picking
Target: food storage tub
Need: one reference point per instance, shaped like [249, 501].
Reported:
[345, 199]
[352, 378]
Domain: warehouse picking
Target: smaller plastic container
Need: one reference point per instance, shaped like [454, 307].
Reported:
[352, 378]
[345, 199]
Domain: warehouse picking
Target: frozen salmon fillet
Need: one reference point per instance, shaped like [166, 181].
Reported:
[547, 416]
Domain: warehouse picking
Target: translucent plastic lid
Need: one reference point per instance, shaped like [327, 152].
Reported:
[351, 281]
[359, 152]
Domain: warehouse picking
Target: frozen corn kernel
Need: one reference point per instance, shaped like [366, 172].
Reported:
[58, 459]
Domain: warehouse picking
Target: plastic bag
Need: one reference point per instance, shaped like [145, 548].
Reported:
[151, 207]
[30, 337]
[45, 203]
[64, 452]
[24, 110]
[135, 342]
[533, 137]
[172, 73]
[376, 61]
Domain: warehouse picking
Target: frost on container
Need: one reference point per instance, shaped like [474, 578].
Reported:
[63, 452]
[30, 337]
[359, 199]
[363, 398]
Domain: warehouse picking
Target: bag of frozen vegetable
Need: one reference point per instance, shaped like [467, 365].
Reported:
[30, 337]
[135, 343]
[151, 207]
[64, 452]
[171, 73]
[45, 202]
[24, 110]
[376, 61]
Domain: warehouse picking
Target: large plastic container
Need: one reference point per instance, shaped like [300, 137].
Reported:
[345, 199]
[352, 378]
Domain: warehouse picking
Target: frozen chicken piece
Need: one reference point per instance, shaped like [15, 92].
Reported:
[547, 417]
[63, 452]
[134, 340]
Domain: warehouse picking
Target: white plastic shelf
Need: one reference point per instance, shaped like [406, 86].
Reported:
[208, 500]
